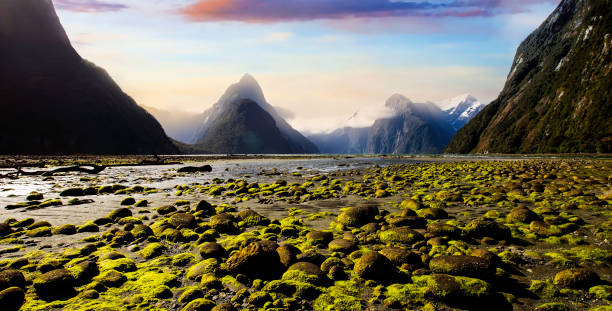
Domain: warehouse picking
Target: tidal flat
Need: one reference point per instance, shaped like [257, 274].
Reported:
[304, 233]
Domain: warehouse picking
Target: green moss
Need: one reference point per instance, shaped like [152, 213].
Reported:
[544, 289]
[404, 295]
[603, 292]
[128, 201]
[184, 259]
[552, 306]
[153, 250]
[196, 271]
[344, 295]
[120, 264]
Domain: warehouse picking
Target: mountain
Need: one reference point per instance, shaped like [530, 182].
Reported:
[346, 140]
[55, 102]
[557, 96]
[224, 113]
[179, 125]
[410, 128]
[414, 128]
[460, 109]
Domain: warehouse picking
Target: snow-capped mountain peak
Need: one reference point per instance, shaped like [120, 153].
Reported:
[460, 109]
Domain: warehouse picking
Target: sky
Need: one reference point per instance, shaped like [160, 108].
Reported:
[323, 60]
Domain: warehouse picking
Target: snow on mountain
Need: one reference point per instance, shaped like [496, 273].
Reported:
[460, 109]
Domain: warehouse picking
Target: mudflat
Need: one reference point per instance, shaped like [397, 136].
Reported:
[303, 233]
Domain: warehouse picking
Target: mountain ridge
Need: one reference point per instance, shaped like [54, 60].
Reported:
[55, 102]
[556, 97]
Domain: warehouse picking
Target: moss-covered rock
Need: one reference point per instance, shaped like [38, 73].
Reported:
[411, 204]
[552, 306]
[12, 298]
[462, 265]
[166, 209]
[342, 245]
[400, 235]
[522, 215]
[128, 201]
[316, 237]
[258, 260]
[201, 268]
[5, 230]
[55, 284]
[576, 278]
[67, 229]
[374, 266]
[12, 278]
[199, 304]
[153, 250]
[224, 223]
[111, 278]
[141, 231]
[487, 228]
[183, 220]
[358, 216]
[401, 256]
[250, 218]
[39, 232]
[119, 213]
[212, 250]
[443, 230]
[455, 289]
[432, 213]
[287, 254]
[205, 208]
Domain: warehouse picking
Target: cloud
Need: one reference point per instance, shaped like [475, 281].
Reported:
[271, 11]
[277, 37]
[88, 6]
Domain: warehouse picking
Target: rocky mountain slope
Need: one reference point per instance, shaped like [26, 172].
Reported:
[55, 102]
[414, 128]
[557, 97]
[226, 112]
[410, 128]
[460, 109]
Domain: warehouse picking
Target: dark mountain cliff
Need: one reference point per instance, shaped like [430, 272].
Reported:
[55, 102]
[558, 95]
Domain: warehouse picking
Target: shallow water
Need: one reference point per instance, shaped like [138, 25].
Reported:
[163, 177]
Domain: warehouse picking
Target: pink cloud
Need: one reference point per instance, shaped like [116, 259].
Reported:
[270, 11]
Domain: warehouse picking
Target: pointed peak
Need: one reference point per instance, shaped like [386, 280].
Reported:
[247, 78]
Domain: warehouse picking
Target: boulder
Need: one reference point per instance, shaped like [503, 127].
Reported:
[212, 250]
[288, 254]
[119, 213]
[522, 214]
[12, 278]
[319, 237]
[55, 284]
[440, 229]
[224, 223]
[259, 260]
[401, 256]
[415, 222]
[433, 213]
[374, 266]
[183, 220]
[400, 235]
[576, 278]
[479, 229]
[342, 245]
[12, 298]
[358, 216]
[462, 265]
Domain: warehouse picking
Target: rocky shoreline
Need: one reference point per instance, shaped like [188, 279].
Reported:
[436, 235]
